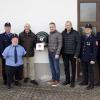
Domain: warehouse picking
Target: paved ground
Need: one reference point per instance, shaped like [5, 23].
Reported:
[45, 92]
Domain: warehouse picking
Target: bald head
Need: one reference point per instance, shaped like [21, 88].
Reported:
[27, 27]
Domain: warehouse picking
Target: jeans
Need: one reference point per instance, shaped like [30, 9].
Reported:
[54, 65]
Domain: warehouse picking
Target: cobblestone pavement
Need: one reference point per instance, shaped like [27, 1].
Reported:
[45, 92]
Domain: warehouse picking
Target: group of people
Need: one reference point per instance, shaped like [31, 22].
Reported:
[17, 54]
[72, 45]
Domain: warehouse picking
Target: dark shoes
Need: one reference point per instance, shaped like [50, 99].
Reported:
[72, 85]
[9, 86]
[89, 87]
[97, 84]
[4, 83]
[26, 80]
[17, 83]
[34, 82]
[65, 83]
[83, 83]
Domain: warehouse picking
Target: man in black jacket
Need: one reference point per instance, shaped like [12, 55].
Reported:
[70, 51]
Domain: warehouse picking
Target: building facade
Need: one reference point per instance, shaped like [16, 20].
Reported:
[39, 13]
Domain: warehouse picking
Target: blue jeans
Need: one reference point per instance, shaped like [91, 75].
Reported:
[54, 65]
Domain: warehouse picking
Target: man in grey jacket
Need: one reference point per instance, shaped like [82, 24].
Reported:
[54, 48]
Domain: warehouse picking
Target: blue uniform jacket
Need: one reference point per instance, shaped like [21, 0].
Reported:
[88, 48]
[5, 40]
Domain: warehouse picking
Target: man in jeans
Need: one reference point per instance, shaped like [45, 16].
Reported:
[54, 48]
[28, 40]
[70, 51]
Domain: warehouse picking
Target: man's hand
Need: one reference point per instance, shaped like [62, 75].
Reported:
[75, 57]
[56, 56]
[92, 62]
[96, 43]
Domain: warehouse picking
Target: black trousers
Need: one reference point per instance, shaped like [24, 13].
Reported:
[3, 71]
[66, 59]
[98, 61]
[88, 72]
[13, 72]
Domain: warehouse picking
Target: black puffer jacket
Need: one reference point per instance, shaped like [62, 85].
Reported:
[71, 42]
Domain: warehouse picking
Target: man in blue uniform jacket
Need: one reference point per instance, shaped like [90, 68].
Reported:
[5, 40]
[88, 56]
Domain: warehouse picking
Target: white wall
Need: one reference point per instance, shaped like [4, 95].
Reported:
[38, 13]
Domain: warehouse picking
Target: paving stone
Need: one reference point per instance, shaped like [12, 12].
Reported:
[46, 92]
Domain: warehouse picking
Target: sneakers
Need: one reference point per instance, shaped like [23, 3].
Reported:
[56, 83]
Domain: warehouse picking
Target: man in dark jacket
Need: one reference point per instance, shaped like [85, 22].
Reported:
[70, 51]
[88, 56]
[5, 40]
[28, 40]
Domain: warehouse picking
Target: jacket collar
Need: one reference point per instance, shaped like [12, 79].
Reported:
[27, 33]
[53, 32]
[70, 31]
[7, 33]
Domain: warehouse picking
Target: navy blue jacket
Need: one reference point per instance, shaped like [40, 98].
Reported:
[88, 48]
[5, 40]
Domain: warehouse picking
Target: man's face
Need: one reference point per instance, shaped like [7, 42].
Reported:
[68, 26]
[14, 41]
[27, 28]
[52, 27]
[88, 30]
[7, 29]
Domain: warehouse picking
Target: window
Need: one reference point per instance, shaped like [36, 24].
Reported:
[88, 12]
